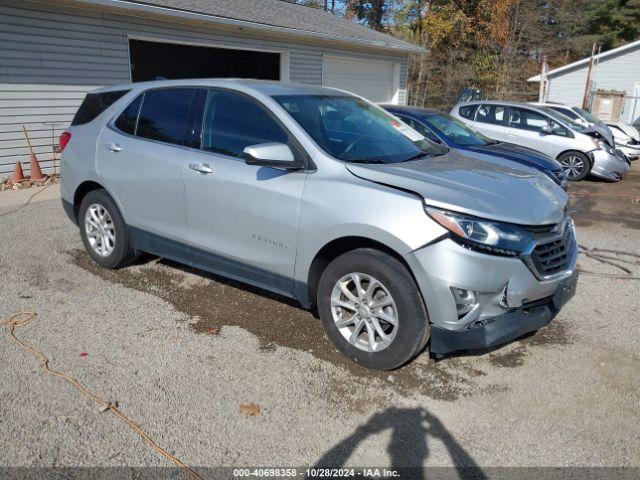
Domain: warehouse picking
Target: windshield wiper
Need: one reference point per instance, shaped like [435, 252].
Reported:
[365, 160]
[492, 142]
[422, 154]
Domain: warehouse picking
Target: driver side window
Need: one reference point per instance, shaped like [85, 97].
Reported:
[233, 121]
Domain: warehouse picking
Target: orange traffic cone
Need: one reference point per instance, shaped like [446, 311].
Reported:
[36, 173]
[18, 174]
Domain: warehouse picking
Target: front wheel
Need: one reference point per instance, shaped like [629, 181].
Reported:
[576, 165]
[372, 310]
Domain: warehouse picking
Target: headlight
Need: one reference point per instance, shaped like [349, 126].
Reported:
[484, 235]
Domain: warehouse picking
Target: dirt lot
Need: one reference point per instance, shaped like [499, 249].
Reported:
[180, 350]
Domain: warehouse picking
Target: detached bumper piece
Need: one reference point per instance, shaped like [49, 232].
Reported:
[504, 328]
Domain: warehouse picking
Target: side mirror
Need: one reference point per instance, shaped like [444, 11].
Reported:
[547, 130]
[274, 155]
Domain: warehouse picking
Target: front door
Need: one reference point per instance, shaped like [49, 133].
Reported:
[242, 219]
[141, 158]
[524, 127]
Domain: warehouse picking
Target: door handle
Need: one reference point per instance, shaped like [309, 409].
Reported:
[203, 168]
[114, 147]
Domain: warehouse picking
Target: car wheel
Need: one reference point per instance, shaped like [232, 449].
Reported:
[103, 231]
[372, 310]
[576, 165]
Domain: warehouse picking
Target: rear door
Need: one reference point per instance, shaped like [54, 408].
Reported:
[140, 157]
[242, 219]
[490, 119]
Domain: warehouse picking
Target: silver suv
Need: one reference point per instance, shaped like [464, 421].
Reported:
[582, 150]
[319, 195]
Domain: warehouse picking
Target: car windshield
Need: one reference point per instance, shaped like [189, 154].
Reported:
[353, 130]
[586, 115]
[574, 125]
[456, 131]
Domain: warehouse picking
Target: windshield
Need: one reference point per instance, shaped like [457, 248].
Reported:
[578, 127]
[353, 130]
[457, 132]
[586, 115]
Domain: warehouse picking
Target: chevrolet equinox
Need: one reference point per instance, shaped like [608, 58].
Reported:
[319, 195]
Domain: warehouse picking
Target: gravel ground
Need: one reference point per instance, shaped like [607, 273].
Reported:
[566, 396]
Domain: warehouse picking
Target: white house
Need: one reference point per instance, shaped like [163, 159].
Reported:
[53, 51]
[615, 84]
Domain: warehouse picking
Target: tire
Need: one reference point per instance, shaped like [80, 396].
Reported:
[576, 164]
[389, 278]
[109, 247]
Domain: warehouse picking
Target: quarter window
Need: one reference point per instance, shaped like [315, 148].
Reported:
[233, 122]
[467, 111]
[164, 114]
[493, 114]
[94, 104]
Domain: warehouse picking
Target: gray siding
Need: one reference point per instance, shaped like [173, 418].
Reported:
[51, 55]
[616, 72]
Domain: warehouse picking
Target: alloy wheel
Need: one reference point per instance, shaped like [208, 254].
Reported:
[100, 230]
[573, 165]
[364, 312]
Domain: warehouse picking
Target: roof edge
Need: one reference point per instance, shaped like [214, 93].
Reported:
[135, 6]
[582, 61]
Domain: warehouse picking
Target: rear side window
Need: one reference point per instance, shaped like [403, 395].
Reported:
[493, 114]
[126, 122]
[233, 121]
[164, 114]
[94, 104]
[467, 111]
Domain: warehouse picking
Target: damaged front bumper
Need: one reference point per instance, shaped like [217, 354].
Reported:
[506, 327]
[609, 166]
[476, 300]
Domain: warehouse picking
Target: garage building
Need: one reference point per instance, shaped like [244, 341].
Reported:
[614, 88]
[52, 52]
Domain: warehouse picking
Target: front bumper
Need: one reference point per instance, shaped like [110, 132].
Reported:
[511, 300]
[608, 165]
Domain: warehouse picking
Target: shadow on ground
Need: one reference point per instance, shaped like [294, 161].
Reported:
[412, 431]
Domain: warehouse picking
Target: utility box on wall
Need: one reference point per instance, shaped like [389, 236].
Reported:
[607, 105]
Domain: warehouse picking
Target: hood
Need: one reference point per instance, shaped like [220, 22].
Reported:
[603, 130]
[478, 185]
[517, 153]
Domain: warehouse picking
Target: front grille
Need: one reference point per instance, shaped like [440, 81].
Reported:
[552, 256]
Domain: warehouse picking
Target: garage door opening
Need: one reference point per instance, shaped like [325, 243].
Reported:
[159, 61]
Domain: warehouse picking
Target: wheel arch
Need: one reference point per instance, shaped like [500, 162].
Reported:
[333, 249]
[89, 186]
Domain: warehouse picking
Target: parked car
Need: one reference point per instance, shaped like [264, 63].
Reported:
[581, 150]
[447, 130]
[625, 142]
[582, 117]
[322, 196]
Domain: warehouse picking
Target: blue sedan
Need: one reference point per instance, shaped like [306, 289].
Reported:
[443, 129]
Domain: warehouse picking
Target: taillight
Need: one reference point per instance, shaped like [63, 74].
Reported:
[64, 140]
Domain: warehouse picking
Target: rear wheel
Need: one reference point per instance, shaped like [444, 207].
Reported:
[372, 310]
[576, 165]
[103, 231]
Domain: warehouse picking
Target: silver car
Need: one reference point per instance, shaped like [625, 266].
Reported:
[581, 149]
[319, 195]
